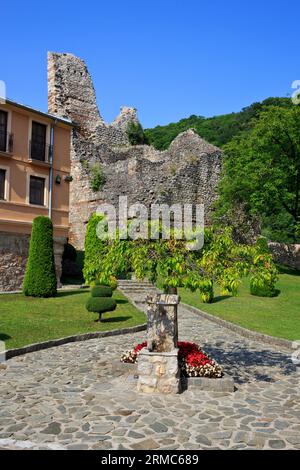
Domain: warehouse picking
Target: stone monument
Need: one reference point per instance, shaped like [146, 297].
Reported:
[158, 368]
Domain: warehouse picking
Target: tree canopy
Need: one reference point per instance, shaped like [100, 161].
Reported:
[262, 172]
[175, 264]
[218, 130]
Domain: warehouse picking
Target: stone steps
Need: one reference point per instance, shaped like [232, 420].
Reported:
[137, 291]
[135, 284]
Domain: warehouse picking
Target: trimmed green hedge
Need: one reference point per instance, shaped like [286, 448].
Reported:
[101, 305]
[101, 291]
[40, 276]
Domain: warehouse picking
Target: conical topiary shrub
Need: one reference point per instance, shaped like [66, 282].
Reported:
[40, 276]
[101, 301]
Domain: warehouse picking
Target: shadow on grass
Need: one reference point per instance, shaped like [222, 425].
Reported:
[122, 301]
[276, 293]
[286, 270]
[4, 337]
[115, 319]
[71, 292]
[219, 298]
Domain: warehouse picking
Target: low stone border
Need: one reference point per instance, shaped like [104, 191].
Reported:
[64, 288]
[224, 384]
[254, 335]
[10, 353]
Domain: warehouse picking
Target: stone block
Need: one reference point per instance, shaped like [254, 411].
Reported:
[164, 377]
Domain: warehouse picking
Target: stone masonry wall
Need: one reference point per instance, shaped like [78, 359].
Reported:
[187, 172]
[13, 258]
[71, 93]
[288, 255]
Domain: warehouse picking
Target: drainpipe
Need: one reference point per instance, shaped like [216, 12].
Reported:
[51, 167]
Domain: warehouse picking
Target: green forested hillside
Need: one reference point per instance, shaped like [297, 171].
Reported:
[218, 130]
[261, 167]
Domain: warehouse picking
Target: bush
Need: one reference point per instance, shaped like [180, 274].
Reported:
[264, 277]
[40, 276]
[135, 133]
[95, 250]
[262, 245]
[263, 291]
[111, 281]
[206, 289]
[97, 177]
[101, 291]
[100, 305]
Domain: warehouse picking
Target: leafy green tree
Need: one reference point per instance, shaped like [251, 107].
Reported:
[262, 172]
[175, 264]
[40, 276]
[95, 250]
[221, 261]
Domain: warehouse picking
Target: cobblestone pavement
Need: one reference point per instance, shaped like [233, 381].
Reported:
[79, 396]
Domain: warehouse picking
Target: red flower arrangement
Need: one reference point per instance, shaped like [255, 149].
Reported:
[193, 362]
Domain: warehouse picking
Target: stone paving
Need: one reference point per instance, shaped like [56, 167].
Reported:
[79, 396]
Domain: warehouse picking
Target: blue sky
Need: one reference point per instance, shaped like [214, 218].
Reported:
[168, 58]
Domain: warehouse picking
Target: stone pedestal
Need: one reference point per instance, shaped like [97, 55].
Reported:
[158, 372]
[158, 369]
[162, 322]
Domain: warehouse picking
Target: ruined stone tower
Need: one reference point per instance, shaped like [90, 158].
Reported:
[187, 172]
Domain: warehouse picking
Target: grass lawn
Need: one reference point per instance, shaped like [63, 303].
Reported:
[26, 320]
[277, 316]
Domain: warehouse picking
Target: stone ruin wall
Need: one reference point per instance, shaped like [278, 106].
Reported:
[286, 254]
[187, 172]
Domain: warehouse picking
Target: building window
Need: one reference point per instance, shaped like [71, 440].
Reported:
[3, 131]
[2, 184]
[37, 191]
[38, 141]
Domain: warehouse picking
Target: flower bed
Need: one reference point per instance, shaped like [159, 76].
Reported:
[193, 362]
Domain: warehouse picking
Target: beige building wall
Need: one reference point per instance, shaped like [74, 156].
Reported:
[16, 213]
